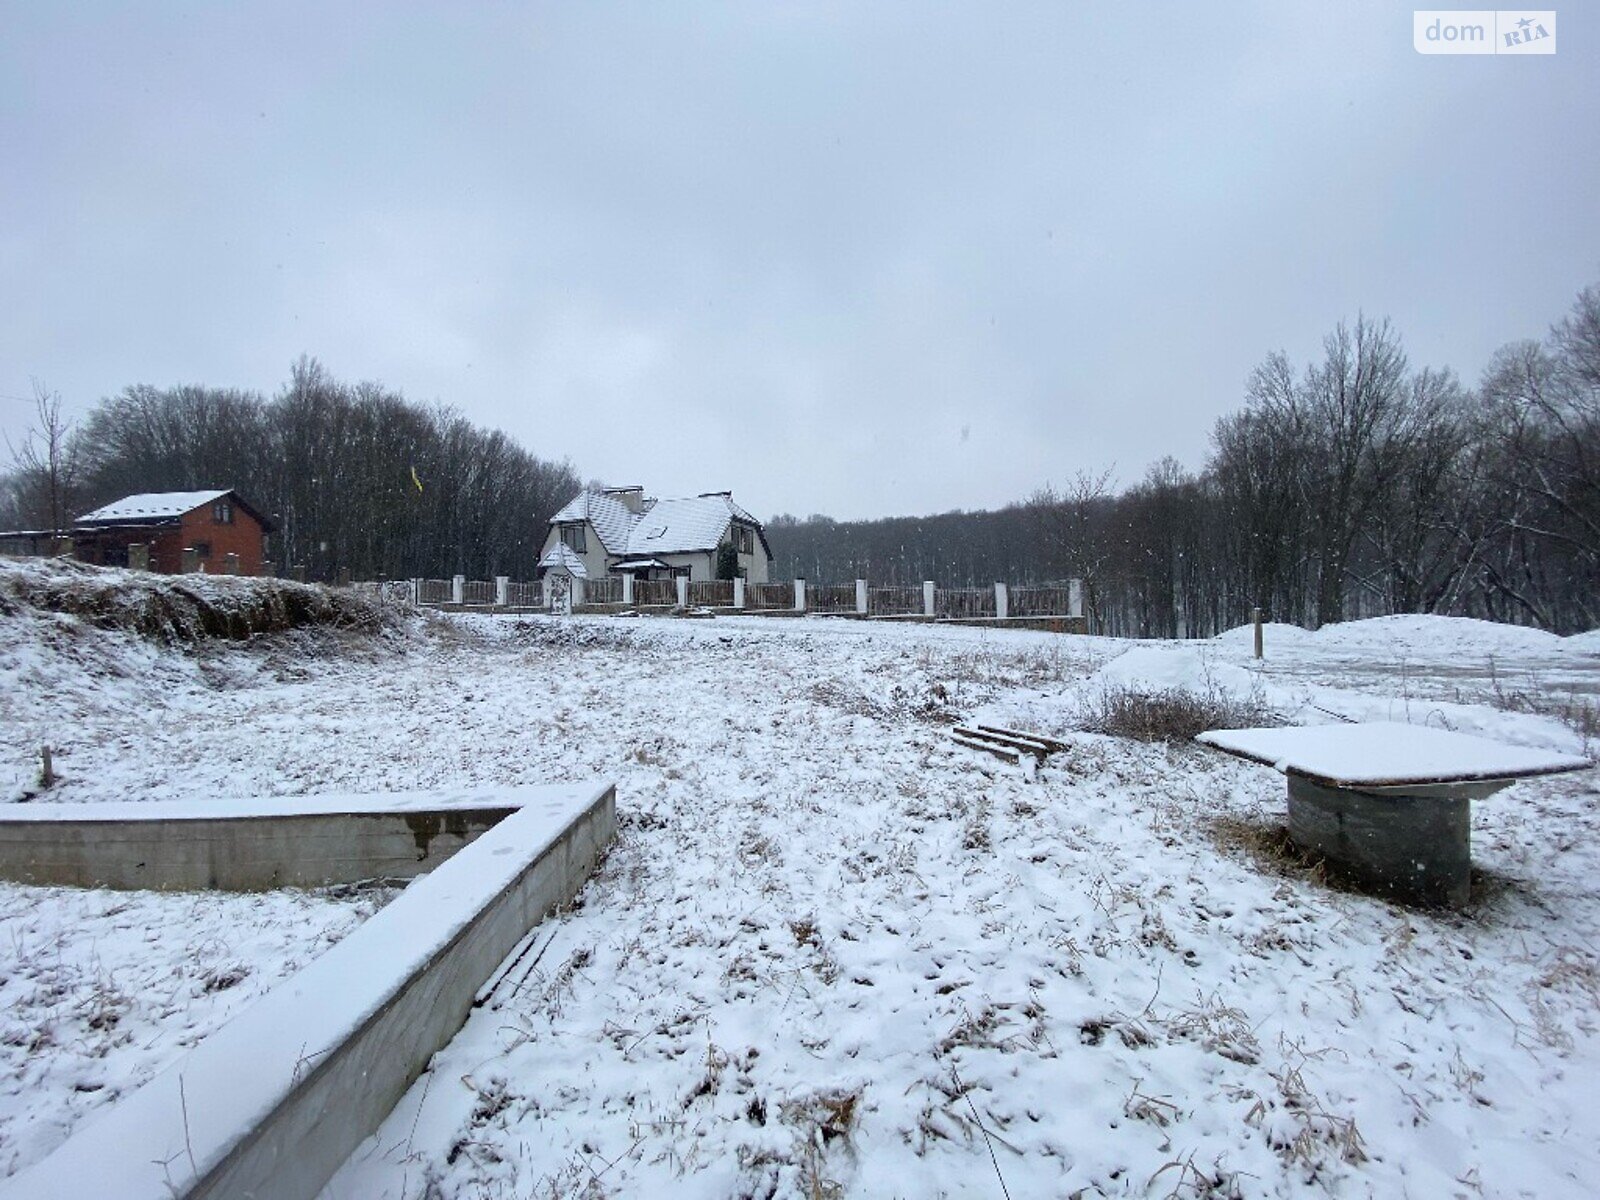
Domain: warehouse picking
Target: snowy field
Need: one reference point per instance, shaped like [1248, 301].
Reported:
[833, 954]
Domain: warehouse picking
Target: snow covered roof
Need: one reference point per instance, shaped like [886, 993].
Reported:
[561, 555]
[666, 527]
[611, 518]
[639, 564]
[152, 506]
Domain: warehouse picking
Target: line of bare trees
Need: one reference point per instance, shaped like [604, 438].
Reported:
[353, 475]
[1356, 485]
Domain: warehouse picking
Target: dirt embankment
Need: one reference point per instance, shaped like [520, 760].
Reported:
[184, 608]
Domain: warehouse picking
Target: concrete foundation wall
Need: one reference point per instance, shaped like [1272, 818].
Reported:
[274, 1102]
[1416, 849]
[236, 853]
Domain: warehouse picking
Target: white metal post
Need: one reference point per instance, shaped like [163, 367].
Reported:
[416, 592]
[799, 595]
[1002, 600]
[1074, 597]
[502, 590]
[861, 597]
[738, 592]
[577, 592]
[927, 597]
[682, 582]
[627, 588]
[458, 590]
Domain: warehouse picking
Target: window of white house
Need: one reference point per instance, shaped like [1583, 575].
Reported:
[745, 539]
[572, 535]
[222, 513]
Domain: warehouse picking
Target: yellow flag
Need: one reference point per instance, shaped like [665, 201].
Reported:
[416, 481]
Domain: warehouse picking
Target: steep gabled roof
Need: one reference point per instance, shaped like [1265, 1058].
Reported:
[610, 517]
[561, 555]
[682, 526]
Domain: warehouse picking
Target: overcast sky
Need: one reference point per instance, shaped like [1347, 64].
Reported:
[859, 259]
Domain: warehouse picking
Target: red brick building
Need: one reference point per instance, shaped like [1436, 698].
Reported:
[213, 524]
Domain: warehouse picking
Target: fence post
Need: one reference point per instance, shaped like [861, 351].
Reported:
[927, 597]
[502, 591]
[416, 593]
[191, 560]
[1002, 601]
[799, 595]
[738, 592]
[458, 590]
[861, 597]
[1075, 598]
[1255, 617]
[577, 592]
[682, 584]
[627, 588]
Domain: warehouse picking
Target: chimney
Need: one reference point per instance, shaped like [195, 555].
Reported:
[632, 497]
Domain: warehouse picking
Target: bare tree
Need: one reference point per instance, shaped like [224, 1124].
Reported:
[45, 464]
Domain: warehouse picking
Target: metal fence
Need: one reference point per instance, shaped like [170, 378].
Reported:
[1038, 602]
[963, 603]
[711, 593]
[1051, 600]
[831, 597]
[894, 601]
[434, 591]
[769, 595]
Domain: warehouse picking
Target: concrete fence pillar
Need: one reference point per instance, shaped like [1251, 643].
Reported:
[627, 587]
[861, 597]
[298, 572]
[927, 597]
[682, 584]
[342, 579]
[191, 561]
[1074, 597]
[577, 591]
[416, 592]
[269, 569]
[799, 595]
[1002, 600]
[458, 589]
[502, 590]
[230, 563]
[738, 592]
[139, 557]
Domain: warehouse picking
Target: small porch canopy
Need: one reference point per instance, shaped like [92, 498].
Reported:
[633, 565]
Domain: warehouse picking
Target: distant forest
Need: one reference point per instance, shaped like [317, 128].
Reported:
[330, 463]
[1351, 486]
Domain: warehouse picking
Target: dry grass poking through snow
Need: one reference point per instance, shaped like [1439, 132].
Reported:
[831, 953]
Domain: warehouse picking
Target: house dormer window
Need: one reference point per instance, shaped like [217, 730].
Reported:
[222, 513]
[572, 535]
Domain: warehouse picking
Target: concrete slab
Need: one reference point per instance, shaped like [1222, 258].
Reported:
[271, 1104]
[247, 845]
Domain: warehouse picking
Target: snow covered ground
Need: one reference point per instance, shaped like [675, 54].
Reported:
[833, 954]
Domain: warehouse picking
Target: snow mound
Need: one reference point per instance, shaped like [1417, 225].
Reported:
[1274, 633]
[1182, 666]
[1583, 643]
[1435, 636]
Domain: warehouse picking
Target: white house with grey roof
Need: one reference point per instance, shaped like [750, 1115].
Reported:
[620, 530]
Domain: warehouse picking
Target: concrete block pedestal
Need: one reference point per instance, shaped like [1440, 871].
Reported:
[1416, 849]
